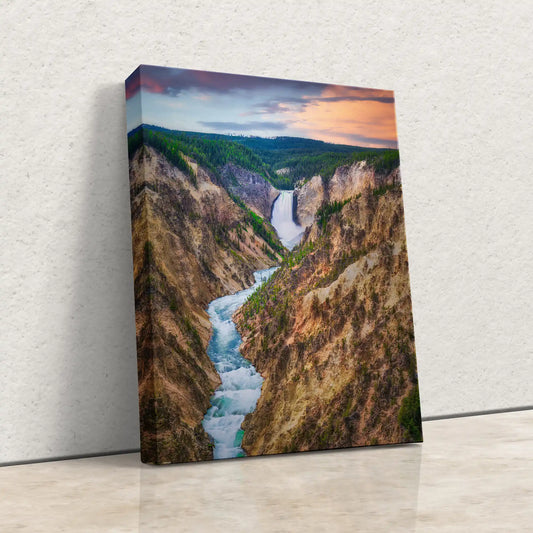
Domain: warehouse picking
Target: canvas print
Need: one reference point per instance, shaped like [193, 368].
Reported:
[272, 298]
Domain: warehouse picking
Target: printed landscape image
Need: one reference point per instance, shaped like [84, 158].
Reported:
[272, 297]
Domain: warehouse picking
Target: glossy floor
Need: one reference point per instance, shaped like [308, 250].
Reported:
[471, 474]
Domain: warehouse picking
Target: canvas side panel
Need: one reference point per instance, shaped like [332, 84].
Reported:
[142, 250]
[410, 414]
[172, 288]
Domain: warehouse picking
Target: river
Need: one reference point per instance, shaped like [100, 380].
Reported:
[241, 383]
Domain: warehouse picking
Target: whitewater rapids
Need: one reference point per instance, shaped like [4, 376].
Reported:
[241, 383]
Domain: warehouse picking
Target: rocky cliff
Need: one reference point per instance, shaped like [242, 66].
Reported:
[332, 331]
[347, 181]
[191, 243]
[350, 180]
[308, 197]
[251, 188]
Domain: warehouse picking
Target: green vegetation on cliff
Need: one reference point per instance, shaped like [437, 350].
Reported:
[410, 417]
[325, 165]
[260, 227]
[325, 212]
[171, 150]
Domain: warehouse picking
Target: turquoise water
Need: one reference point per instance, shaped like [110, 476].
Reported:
[241, 383]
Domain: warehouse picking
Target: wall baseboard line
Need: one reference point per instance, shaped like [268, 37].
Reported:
[137, 450]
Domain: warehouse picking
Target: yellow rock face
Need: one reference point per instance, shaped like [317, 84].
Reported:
[333, 334]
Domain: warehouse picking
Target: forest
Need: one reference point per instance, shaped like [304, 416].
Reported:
[283, 161]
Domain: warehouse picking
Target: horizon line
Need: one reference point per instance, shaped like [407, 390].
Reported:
[260, 137]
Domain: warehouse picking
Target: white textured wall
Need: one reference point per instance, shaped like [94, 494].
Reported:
[462, 72]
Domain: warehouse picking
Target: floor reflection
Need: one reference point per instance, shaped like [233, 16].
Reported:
[372, 489]
[471, 474]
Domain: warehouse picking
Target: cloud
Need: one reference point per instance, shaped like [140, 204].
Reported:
[245, 126]
[375, 142]
[336, 93]
[280, 105]
[339, 115]
[173, 81]
[354, 98]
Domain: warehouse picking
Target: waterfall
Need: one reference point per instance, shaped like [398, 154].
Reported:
[288, 231]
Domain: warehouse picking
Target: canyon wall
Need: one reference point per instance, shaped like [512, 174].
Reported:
[332, 331]
[347, 181]
[308, 197]
[251, 188]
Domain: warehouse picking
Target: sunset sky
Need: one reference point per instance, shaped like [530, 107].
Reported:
[193, 100]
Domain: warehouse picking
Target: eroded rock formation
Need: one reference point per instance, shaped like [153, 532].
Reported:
[332, 331]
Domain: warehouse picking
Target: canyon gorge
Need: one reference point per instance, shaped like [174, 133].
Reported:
[268, 320]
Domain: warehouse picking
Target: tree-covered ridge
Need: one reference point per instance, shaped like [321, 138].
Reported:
[272, 150]
[325, 164]
[299, 158]
[209, 153]
[171, 150]
[280, 151]
[296, 158]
